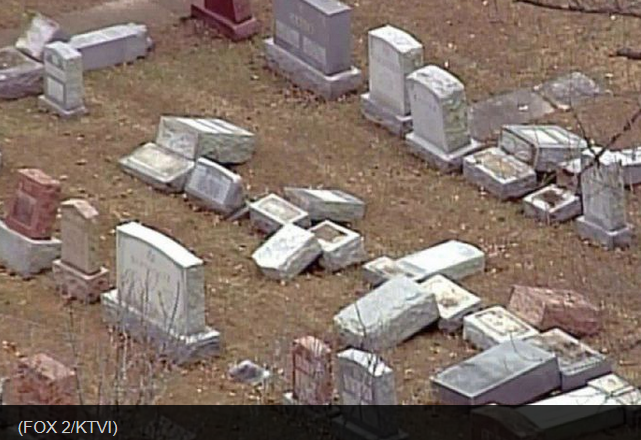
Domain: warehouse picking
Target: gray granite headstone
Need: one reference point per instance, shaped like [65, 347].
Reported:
[215, 187]
[327, 204]
[63, 81]
[454, 259]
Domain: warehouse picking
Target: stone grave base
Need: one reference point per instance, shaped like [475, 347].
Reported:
[552, 204]
[233, 31]
[74, 284]
[308, 78]
[396, 124]
[346, 430]
[446, 162]
[610, 239]
[20, 76]
[181, 349]
[25, 256]
[46, 104]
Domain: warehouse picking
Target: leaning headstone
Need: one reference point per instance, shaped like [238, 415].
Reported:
[493, 326]
[20, 76]
[502, 175]
[327, 204]
[511, 373]
[63, 82]
[78, 273]
[311, 373]
[215, 187]
[232, 18]
[42, 31]
[341, 247]
[453, 301]
[552, 204]
[454, 259]
[312, 46]
[273, 212]
[387, 316]
[382, 269]
[111, 46]
[393, 54]
[439, 113]
[160, 295]
[287, 253]
[604, 210]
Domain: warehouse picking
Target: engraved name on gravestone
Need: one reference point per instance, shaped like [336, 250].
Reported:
[63, 86]
[316, 31]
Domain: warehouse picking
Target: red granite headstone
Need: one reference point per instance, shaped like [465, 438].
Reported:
[311, 371]
[233, 18]
[32, 212]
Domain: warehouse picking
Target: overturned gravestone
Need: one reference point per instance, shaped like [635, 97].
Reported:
[439, 112]
[493, 326]
[160, 295]
[20, 76]
[552, 204]
[312, 46]
[454, 259]
[63, 83]
[41, 31]
[393, 54]
[215, 187]
[578, 363]
[453, 301]
[500, 174]
[618, 388]
[287, 253]
[384, 268]
[387, 315]
[111, 46]
[272, 212]
[341, 247]
[327, 204]
[511, 373]
[630, 159]
[569, 90]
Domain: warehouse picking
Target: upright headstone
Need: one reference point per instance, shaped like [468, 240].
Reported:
[215, 187]
[41, 31]
[78, 273]
[312, 46]
[160, 295]
[439, 113]
[311, 373]
[604, 208]
[232, 18]
[63, 83]
[393, 55]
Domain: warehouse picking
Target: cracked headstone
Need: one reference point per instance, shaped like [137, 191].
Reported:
[327, 204]
[273, 212]
[493, 326]
[215, 187]
[453, 301]
[341, 247]
[63, 81]
[552, 204]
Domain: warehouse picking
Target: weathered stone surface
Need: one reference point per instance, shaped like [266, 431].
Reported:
[453, 301]
[363, 378]
[215, 187]
[63, 81]
[387, 315]
[511, 373]
[311, 372]
[232, 18]
[570, 90]
[75, 284]
[500, 174]
[341, 247]
[550, 308]
[42, 31]
[287, 253]
[20, 76]
[384, 268]
[26, 256]
[327, 204]
[578, 363]
[250, 373]
[80, 235]
[272, 212]
[454, 259]
[618, 388]
[493, 326]
[552, 204]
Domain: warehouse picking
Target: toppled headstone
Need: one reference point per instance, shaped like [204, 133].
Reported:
[578, 363]
[78, 273]
[618, 388]
[20, 76]
[341, 247]
[312, 46]
[439, 112]
[287, 253]
[453, 301]
[552, 204]
[232, 18]
[215, 187]
[111, 46]
[493, 326]
[272, 212]
[327, 204]
[311, 373]
[387, 316]
[454, 259]
[42, 31]
[500, 174]
[569, 90]
[382, 269]
[393, 54]
[630, 159]
[63, 82]
[550, 308]
[250, 373]
[160, 295]
[511, 373]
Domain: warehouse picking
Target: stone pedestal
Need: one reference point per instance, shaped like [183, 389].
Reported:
[74, 284]
[552, 204]
[26, 256]
[47, 104]
[443, 161]
[619, 238]
[399, 125]
[230, 29]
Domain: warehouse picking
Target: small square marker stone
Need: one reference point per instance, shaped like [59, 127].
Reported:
[341, 247]
[453, 301]
[272, 212]
[500, 174]
[382, 269]
[493, 326]
[552, 204]
[454, 259]
[327, 204]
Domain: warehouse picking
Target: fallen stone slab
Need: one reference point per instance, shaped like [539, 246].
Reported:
[26, 256]
[287, 253]
[215, 187]
[453, 301]
[549, 308]
[552, 204]
[621, 390]
[454, 259]
[382, 269]
[20, 76]
[511, 373]
[250, 373]
[41, 31]
[272, 212]
[569, 90]
[387, 316]
[341, 247]
[499, 173]
[630, 159]
[327, 204]
[493, 326]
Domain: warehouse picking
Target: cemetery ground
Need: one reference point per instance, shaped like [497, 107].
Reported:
[492, 46]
